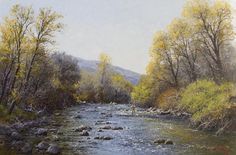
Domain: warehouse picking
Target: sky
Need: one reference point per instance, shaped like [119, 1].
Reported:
[123, 29]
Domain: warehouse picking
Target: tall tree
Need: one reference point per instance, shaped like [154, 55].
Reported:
[213, 21]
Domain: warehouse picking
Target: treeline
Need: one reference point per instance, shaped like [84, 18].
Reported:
[105, 85]
[192, 66]
[32, 76]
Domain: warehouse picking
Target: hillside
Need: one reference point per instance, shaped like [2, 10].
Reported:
[91, 66]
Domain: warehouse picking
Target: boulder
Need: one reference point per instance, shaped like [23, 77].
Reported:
[169, 142]
[103, 138]
[53, 149]
[160, 141]
[5, 130]
[41, 132]
[82, 127]
[84, 133]
[16, 136]
[17, 145]
[100, 130]
[42, 145]
[77, 117]
[117, 128]
[27, 148]
[165, 112]
[106, 127]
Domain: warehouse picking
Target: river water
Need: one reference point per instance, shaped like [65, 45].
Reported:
[138, 135]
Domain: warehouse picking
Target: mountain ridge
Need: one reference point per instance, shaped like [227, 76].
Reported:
[91, 66]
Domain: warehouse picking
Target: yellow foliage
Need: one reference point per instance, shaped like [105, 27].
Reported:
[168, 99]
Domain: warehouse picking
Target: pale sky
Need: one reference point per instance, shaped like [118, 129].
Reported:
[123, 29]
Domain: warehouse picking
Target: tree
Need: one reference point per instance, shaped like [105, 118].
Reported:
[104, 77]
[166, 59]
[184, 43]
[213, 22]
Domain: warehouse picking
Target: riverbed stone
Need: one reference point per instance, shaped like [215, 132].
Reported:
[160, 141]
[77, 117]
[103, 138]
[17, 145]
[169, 142]
[106, 127]
[117, 128]
[42, 145]
[82, 128]
[16, 136]
[84, 133]
[5, 130]
[27, 148]
[41, 132]
[53, 149]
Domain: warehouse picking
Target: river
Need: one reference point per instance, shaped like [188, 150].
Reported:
[137, 136]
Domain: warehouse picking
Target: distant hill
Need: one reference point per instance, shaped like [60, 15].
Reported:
[91, 66]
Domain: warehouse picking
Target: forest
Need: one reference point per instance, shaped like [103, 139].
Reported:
[191, 70]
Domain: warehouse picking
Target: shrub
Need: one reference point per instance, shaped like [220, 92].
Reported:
[208, 103]
[168, 99]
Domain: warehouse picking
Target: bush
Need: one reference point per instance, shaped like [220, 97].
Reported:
[209, 104]
[168, 99]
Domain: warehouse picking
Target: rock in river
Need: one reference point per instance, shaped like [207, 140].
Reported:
[42, 145]
[53, 149]
[16, 136]
[106, 127]
[160, 141]
[117, 128]
[27, 148]
[169, 142]
[41, 131]
[82, 127]
[84, 133]
[103, 138]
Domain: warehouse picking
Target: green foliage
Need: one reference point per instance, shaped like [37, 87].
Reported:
[208, 102]
[141, 93]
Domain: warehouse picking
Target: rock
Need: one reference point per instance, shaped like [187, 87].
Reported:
[53, 130]
[160, 141]
[108, 115]
[17, 145]
[27, 148]
[53, 149]
[103, 138]
[165, 112]
[5, 130]
[106, 127]
[16, 136]
[41, 113]
[77, 117]
[117, 128]
[82, 127]
[57, 114]
[107, 138]
[41, 132]
[169, 142]
[55, 138]
[42, 145]
[100, 130]
[84, 133]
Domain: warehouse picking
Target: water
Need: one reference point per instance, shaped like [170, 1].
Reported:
[138, 134]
